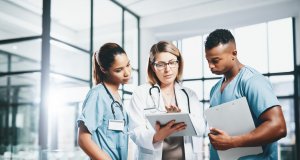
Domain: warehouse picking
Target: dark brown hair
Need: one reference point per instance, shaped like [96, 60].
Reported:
[104, 59]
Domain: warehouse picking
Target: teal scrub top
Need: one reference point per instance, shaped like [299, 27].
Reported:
[96, 113]
[257, 89]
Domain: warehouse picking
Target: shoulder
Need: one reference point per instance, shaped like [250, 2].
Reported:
[96, 90]
[251, 77]
[249, 74]
[188, 90]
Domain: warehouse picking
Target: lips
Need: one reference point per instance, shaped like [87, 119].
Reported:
[168, 76]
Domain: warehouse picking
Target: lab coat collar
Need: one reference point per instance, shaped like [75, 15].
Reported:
[180, 97]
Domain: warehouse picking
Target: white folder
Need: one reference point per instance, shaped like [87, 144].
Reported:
[234, 118]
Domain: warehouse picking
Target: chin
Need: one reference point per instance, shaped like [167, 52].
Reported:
[168, 81]
[125, 82]
[217, 72]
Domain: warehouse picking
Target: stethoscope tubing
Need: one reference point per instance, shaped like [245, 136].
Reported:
[113, 103]
[156, 87]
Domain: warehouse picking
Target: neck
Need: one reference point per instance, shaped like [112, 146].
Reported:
[112, 86]
[233, 72]
[167, 88]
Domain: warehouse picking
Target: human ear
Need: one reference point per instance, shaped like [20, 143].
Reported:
[234, 53]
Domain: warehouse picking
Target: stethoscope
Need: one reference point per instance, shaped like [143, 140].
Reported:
[158, 90]
[114, 103]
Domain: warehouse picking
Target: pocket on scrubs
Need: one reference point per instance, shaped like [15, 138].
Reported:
[116, 138]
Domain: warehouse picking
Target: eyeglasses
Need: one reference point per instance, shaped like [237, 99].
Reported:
[162, 65]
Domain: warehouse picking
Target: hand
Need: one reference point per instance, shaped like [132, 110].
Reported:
[220, 139]
[172, 109]
[164, 131]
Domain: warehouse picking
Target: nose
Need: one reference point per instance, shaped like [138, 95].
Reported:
[211, 66]
[127, 72]
[167, 67]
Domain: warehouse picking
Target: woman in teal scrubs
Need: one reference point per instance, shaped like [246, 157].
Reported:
[103, 122]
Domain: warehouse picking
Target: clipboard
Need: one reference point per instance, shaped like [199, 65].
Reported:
[234, 118]
[164, 118]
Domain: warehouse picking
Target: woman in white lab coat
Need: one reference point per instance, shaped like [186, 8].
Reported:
[164, 94]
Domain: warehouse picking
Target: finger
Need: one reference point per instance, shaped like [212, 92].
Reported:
[173, 107]
[181, 128]
[169, 109]
[179, 125]
[211, 136]
[216, 131]
[179, 110]
[170, 123]
[157, 126]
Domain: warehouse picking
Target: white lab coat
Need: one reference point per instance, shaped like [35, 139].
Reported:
[141, 131]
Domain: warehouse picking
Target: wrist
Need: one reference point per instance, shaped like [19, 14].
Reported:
[235, 141]
[156, 138]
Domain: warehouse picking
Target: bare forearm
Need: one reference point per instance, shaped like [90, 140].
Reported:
[92, 150]
[89, 146]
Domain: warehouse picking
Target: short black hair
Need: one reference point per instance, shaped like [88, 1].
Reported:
[218, 36]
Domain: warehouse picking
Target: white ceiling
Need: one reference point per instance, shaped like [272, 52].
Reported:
[166, 19]
[145, 8]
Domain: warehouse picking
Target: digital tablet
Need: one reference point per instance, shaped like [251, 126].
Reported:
[164, 118]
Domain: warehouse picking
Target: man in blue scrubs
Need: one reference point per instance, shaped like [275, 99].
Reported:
[242, 81]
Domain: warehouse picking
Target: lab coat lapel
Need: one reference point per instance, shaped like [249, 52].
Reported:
[161, 100]
[181, 100]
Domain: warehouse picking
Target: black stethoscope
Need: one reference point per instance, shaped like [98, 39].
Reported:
[158, 90]
[114, 103]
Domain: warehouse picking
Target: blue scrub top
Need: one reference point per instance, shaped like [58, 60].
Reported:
[258, 90]
[96, 113]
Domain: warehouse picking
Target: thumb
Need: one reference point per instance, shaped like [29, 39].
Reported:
[216, 131]
[157, 126]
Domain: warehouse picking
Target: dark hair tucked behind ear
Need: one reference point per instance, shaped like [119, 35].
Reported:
[104, 58]
[218, 36]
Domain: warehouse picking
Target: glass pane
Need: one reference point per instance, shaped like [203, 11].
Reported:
[252, 46]
[287, 145]
[25, 55]
[69, 61]
[280, 39]
[3, 62]
[71, 24]
[192, 57]
[20, 19]
[131, 39]
[65, 98]
[196, 86]
[19, 103]
[208, 84]
[107, 23]
[207, 72]
[283, 85]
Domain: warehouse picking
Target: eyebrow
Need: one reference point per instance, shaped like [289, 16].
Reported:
[122, 67]
[168, 61]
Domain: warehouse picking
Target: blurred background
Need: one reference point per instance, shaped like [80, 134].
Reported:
[46, 48]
